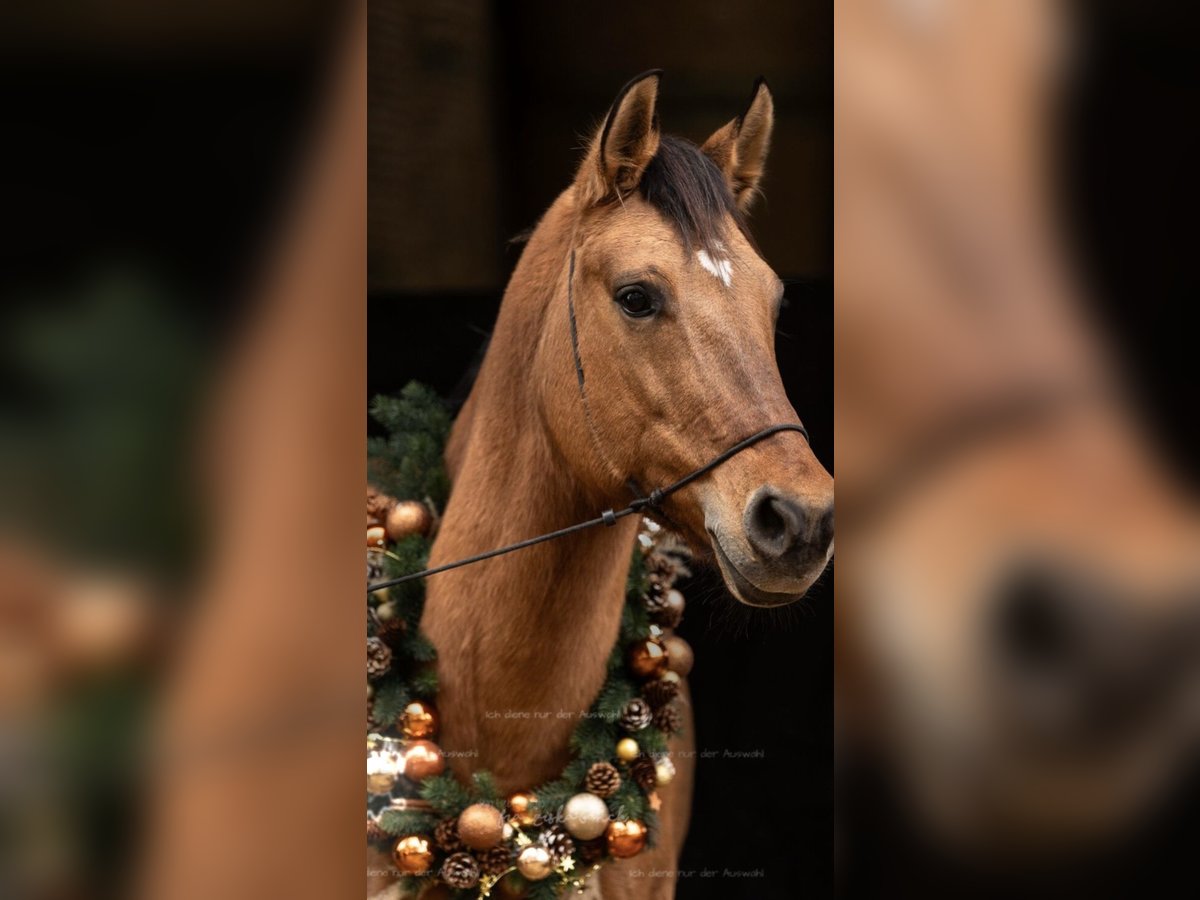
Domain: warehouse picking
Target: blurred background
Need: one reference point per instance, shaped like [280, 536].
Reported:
[1019, 588]
[147, 157]
[478, 113]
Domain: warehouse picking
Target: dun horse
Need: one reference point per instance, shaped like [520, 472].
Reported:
[672, 362]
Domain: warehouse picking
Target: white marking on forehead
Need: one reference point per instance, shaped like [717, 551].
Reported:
[719, 268]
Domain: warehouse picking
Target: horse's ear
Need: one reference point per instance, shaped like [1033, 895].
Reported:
[625, 143]
[739, 148]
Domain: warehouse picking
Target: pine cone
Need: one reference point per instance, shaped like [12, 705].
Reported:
[642, 770]
[378, 506]
[379, 658]
[636, 715]
[445, 835]
[665, 608]
[669, 718]
[558, 841]
[388, 624]
[375, 834]
[660, 692]
[371, 723]
[663, 568]
[460, 871]
[591, 852]
[602, 779]
[495, 860]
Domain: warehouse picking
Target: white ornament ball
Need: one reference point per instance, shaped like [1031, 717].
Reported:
[586, 816]
[664, 771]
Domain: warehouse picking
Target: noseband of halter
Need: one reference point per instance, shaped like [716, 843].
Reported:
[609, 517]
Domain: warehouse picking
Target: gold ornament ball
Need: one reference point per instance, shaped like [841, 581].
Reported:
[381, 782]
[585, 816]
[628, 749]
[535, 863]
[413, 855]
[419, 720]
[407, 518]
[625, 838]
[423, 759]
[480, 826]
[679, 654]
[376, 536]
[648, 658]
[672, 677]
[523, 806]
[664, 772]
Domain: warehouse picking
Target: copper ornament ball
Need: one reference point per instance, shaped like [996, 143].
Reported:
[423, 759]
[413, 855]
[407, 518]
[648, 658]
[419, 720]
[376, 536]
[625, 838]
[523, 806]
[535, 863]
[679, 653]
[480, 826]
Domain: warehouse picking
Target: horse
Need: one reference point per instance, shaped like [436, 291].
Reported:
[634, 342]
[1017, 613]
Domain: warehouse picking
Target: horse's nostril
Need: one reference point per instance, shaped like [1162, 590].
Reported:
[773, 522]
[776, 525]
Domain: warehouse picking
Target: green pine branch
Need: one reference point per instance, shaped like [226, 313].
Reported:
[413, 645]
[484, 789]
[424, 684]
[400, 822]
[445, 794]
[391, 696]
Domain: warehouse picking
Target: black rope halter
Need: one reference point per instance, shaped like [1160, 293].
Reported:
[609, 517]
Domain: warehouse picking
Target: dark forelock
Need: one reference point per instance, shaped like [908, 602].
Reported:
[683, 184]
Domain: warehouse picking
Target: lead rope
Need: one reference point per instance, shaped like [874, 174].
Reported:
[608, 517]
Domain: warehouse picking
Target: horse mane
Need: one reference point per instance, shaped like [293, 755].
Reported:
[683, 184]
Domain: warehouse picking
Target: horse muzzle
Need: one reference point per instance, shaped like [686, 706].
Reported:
[776, 549]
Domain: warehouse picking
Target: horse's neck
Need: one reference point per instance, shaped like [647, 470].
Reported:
[523, 639]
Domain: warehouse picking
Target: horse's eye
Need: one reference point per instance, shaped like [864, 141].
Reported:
[635, 302]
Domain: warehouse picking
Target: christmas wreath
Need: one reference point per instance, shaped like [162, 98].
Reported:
[539, 842]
